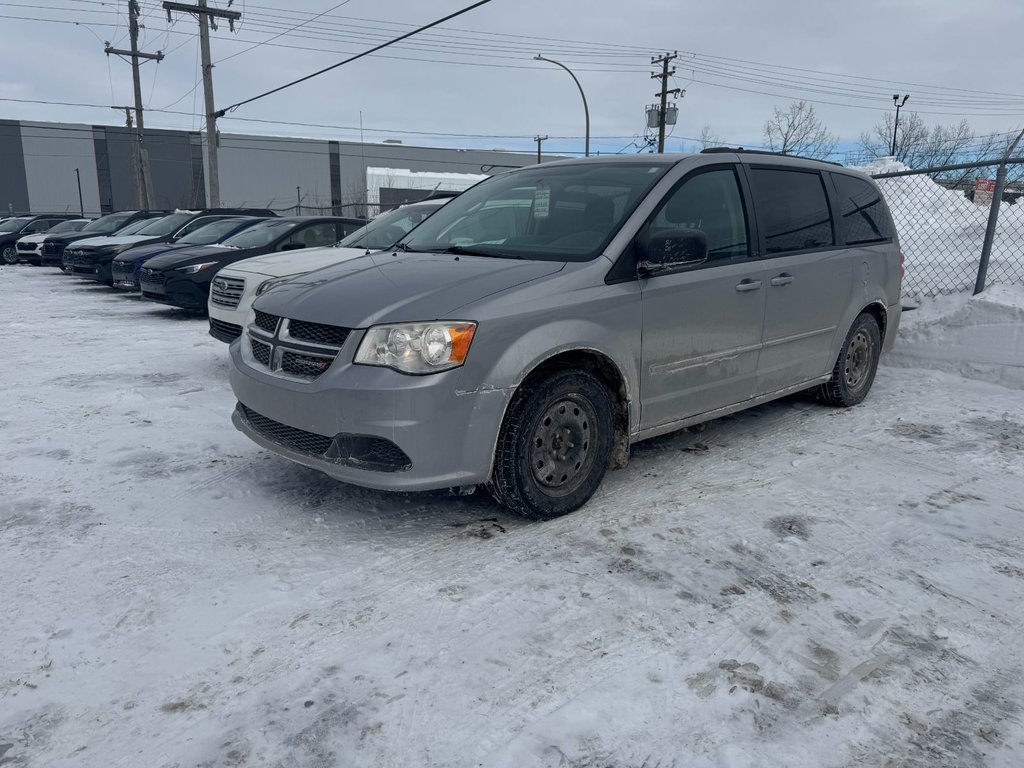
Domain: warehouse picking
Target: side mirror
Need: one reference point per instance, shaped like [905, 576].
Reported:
[292, 246]
[673, 250]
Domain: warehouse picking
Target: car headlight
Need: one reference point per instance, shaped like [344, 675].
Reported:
[193, 268]
[417, 348]
[266, 285]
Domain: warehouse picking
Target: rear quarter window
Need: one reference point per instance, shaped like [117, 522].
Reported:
[792, 210]
[864, 217]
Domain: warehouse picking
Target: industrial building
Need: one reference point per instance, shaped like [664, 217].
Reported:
[57, 167]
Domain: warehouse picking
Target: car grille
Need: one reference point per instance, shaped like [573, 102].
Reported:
[317, 333]
[82, 258]
[294, 348]
[227, 291]
[227, 329]
[266, 321]
[362, 451]
[123, 275]
[27, 246]
[260, 351]
[151, 276]
[51, 249]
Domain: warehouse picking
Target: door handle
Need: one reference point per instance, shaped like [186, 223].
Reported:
[784, 279]
[747, 285]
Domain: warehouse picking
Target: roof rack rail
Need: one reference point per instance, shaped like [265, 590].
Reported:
[741, 150]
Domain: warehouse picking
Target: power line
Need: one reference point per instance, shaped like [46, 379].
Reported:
[468, 8]
[280, 34]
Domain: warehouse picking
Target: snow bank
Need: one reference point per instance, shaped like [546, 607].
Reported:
[980, 337]
[941, 233]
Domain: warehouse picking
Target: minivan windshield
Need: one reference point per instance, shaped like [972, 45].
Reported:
[211, 233]
[260, 235]
[388, 228]
[106, 224]
[549, 213]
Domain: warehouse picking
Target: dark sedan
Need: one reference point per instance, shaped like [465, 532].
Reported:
[54, 245]
[183, 278]
[125, 267]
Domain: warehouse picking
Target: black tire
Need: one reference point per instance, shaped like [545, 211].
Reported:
[855, 368]
[555, 445]
[10, 255]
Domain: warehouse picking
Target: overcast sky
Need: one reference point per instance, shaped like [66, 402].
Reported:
[475, 75]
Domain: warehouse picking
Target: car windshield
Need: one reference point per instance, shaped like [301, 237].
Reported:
[549, 213]
[166, 225]
[66, 226]
[211, 232]
[13, 225]
[388, 228]
[260, 235]
[107, 224]
[135, 227]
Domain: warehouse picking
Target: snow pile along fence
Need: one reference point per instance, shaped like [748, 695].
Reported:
[942, 231]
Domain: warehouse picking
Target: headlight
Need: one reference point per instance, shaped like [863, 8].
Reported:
[193, 268]
[417, 347]
[266, 285]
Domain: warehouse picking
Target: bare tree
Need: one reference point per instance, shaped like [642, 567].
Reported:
[799, 131]
[710, 138]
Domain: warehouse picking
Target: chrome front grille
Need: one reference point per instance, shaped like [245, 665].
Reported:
[227, 291]
[293, 348]
[151, 276]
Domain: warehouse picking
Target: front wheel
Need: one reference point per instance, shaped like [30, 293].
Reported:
[854, 371]
[10, 255]
[555, 445]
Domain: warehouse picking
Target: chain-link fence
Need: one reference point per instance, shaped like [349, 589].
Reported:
[942, 228]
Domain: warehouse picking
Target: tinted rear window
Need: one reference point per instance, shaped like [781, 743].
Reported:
[864, 215]
[792, 209]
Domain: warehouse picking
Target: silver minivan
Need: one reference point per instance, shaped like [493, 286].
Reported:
[525, 335]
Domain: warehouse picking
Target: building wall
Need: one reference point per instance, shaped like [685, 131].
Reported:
[52, 152]
[37, 162]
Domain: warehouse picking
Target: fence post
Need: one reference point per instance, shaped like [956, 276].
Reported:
[993, 217]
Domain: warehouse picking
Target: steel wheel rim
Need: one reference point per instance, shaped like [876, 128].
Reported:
[562, 446]
[857, 363]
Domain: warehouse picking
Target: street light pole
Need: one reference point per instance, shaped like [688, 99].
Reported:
[81, 205]
[586, 110]
[896, 123]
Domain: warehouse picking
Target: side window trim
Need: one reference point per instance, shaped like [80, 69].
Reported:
[833, 188]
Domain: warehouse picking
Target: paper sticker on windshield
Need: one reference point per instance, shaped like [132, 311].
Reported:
[541, 201]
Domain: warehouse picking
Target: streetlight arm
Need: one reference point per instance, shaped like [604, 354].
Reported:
[586, 109]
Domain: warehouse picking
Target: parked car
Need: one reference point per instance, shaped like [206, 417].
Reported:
[54, 244]
[30, 247]
[125, 266]
[18, 227]
[183, 278]
[92, 258]
[235, 287]
[535, 327]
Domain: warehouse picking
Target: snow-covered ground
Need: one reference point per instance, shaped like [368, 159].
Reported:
[794, 586]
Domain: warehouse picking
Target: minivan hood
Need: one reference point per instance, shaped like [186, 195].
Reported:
[295, 262]
[393, 287]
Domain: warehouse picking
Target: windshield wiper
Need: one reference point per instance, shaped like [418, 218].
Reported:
[473, 250]
[396, 247]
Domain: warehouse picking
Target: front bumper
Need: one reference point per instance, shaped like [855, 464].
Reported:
[123, 276]
[448, 436]
[222, 331]
[31, 256]
[180, 291]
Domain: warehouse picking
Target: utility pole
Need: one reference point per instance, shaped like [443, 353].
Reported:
[136, 155]
[207, 18]
[664, 93]
[144, 193]
[539, 140]
[298, 201]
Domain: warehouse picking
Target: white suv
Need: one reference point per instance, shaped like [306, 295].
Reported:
[236, 287]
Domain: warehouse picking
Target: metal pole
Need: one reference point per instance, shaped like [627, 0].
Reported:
[298, 201]
[81, 205]
[539, 140]
[896, 121]
[211, 119]
[586, 109]
[993, 217]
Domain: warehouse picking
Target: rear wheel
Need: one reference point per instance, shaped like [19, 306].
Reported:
[555, 445]
[855, 368]
[10, 256]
